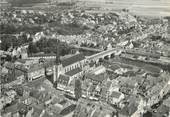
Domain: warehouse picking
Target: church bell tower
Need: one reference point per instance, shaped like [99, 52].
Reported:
[56, 69]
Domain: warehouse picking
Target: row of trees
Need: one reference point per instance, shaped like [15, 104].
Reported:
[9, 40]
[11, 28]
[48, 46]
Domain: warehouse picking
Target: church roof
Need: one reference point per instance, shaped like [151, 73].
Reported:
[63, 78]
[72, 60]
[74, 72]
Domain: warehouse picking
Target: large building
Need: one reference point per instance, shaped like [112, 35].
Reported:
[68, 69]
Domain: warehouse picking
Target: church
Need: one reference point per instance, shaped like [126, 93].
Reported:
[68, 69]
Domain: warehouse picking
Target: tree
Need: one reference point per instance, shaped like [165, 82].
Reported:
[55, 84]
[32, 48]
[77, 89]
[19, 90]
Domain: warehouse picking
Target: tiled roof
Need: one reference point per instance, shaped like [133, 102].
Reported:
[113, 76]
[74, 72]
[114, 67]
[167, 102]
[92, 88]
[115, 94]
[49, 63]
[8, 78]
[18, 73]
[23, 61]
[41, 96]
[37, 111]
[83, 114]
[63, 78]
[35, 67]
[108, 84]
[15, 108]
[96, 113]
[104, 92]
[129, 110]
[85, 85]
[154, 90]
[21, 68]
[9, 65]
[91, 64]
[72, 59]
[98, 78]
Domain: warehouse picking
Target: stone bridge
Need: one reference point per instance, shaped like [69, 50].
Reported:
[105, 54]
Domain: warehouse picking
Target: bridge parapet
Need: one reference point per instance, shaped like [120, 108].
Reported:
[103, 54]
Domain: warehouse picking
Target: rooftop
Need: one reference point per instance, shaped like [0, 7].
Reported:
[35, 67]
[63, 78]
[129, 109]
[72, 59]
[74, 72]
[37, 111]
[98, 78]
[41, 96]
[115, 94]
[9, 65]
[167, 102]
[14, 108]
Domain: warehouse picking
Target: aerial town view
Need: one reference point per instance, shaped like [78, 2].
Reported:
[84, 58]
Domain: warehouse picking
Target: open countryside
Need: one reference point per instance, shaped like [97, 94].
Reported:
[138, 7]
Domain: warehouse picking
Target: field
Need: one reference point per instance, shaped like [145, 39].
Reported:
[138, 7]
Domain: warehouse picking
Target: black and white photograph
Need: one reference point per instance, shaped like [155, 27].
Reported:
[84, 58]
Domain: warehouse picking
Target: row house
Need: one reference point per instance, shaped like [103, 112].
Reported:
[116, 97]
[13, 75]
[17, 110]
[19, 73]
[35, 73]
[96, 86]
[32, 71]
[96, 79]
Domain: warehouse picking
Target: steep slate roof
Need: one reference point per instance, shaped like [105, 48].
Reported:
[129, 110]
[104, 92]
[98, 78]
[35, 67]
[92, 88]
[74, 72]
[115, 94]
[37, 111]
[12, 108]
[18, 73]
[15, 108]
[72, 59]
[63, 78]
